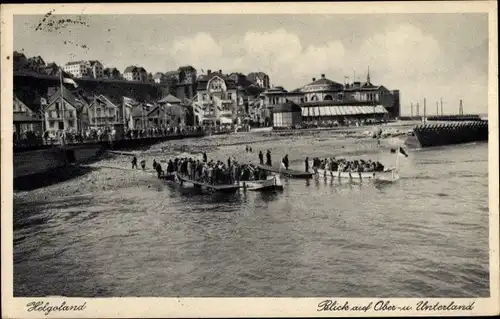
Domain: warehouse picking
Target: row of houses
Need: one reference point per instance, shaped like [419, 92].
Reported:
[77, 111]
[184, 78]
[221, 98]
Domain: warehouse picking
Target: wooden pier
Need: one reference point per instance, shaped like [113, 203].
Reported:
[286, 172]
[229, 188]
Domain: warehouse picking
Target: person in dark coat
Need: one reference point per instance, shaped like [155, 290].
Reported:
[158, 169]
[307, 164]
[205, 158]
[268, 158]
[154, 164]
[285, 161]
[246, 149]
[134, 162]
[143, 164]
[261, 158]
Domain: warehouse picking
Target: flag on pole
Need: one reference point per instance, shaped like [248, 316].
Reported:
[66, 78]
[129, 102]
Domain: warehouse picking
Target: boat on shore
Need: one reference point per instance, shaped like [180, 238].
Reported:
[271, 183]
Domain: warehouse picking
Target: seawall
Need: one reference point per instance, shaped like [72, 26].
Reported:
[31, 167]
[439, 134]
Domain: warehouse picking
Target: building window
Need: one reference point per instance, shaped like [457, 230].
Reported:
[204, 97]
[71, 123]
[51, 124]
[229, 96]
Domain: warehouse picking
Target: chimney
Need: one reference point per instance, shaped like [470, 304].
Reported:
[314, 79]
[209, 71]
[323, 76]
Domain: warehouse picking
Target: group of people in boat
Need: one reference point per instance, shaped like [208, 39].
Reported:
[208, 171]
[343, 165]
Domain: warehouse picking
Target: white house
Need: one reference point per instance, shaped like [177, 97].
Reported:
[63, 113]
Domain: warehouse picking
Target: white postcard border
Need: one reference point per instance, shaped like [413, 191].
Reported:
[237, 307]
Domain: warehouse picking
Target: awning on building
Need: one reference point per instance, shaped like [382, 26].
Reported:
[342, 110]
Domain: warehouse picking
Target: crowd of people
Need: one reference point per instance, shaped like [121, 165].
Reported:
[30, 139]
[161, 131]
[343, 165]
[207, 171]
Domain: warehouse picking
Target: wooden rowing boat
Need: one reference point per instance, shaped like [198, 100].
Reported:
[220, 188]
[271, 183]
[286, 172]
[389, 174]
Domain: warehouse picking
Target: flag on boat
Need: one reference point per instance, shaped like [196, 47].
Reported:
[402, 152]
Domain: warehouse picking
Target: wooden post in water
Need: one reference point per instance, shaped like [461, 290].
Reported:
[437, 108]
[461, 109]
[441, 106]
[418, 109]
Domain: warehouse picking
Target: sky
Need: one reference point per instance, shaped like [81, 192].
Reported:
[429, 56]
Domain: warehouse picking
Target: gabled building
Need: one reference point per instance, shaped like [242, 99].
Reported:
[26, 119]
[78, 69]
[36, 64]
[135, 73]
[112, 74]
[103, 113]
[64, 113]
[96, 69]
[217, 98]
[166, 114]
[373, 94]
[51, 69]
[260, 79]
[19, 61]
[159, 78]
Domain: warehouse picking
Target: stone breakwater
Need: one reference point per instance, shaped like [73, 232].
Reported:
[439, 134]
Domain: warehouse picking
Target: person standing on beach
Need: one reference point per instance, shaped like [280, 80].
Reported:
[143, 164]
[134, 162]
[268, 158]
[246, 148]
[205, 159]
[158, 169]
[261, 158]
[285, 161]
[307, 164]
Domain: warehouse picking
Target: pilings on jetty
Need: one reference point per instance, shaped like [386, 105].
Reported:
[439, 134]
